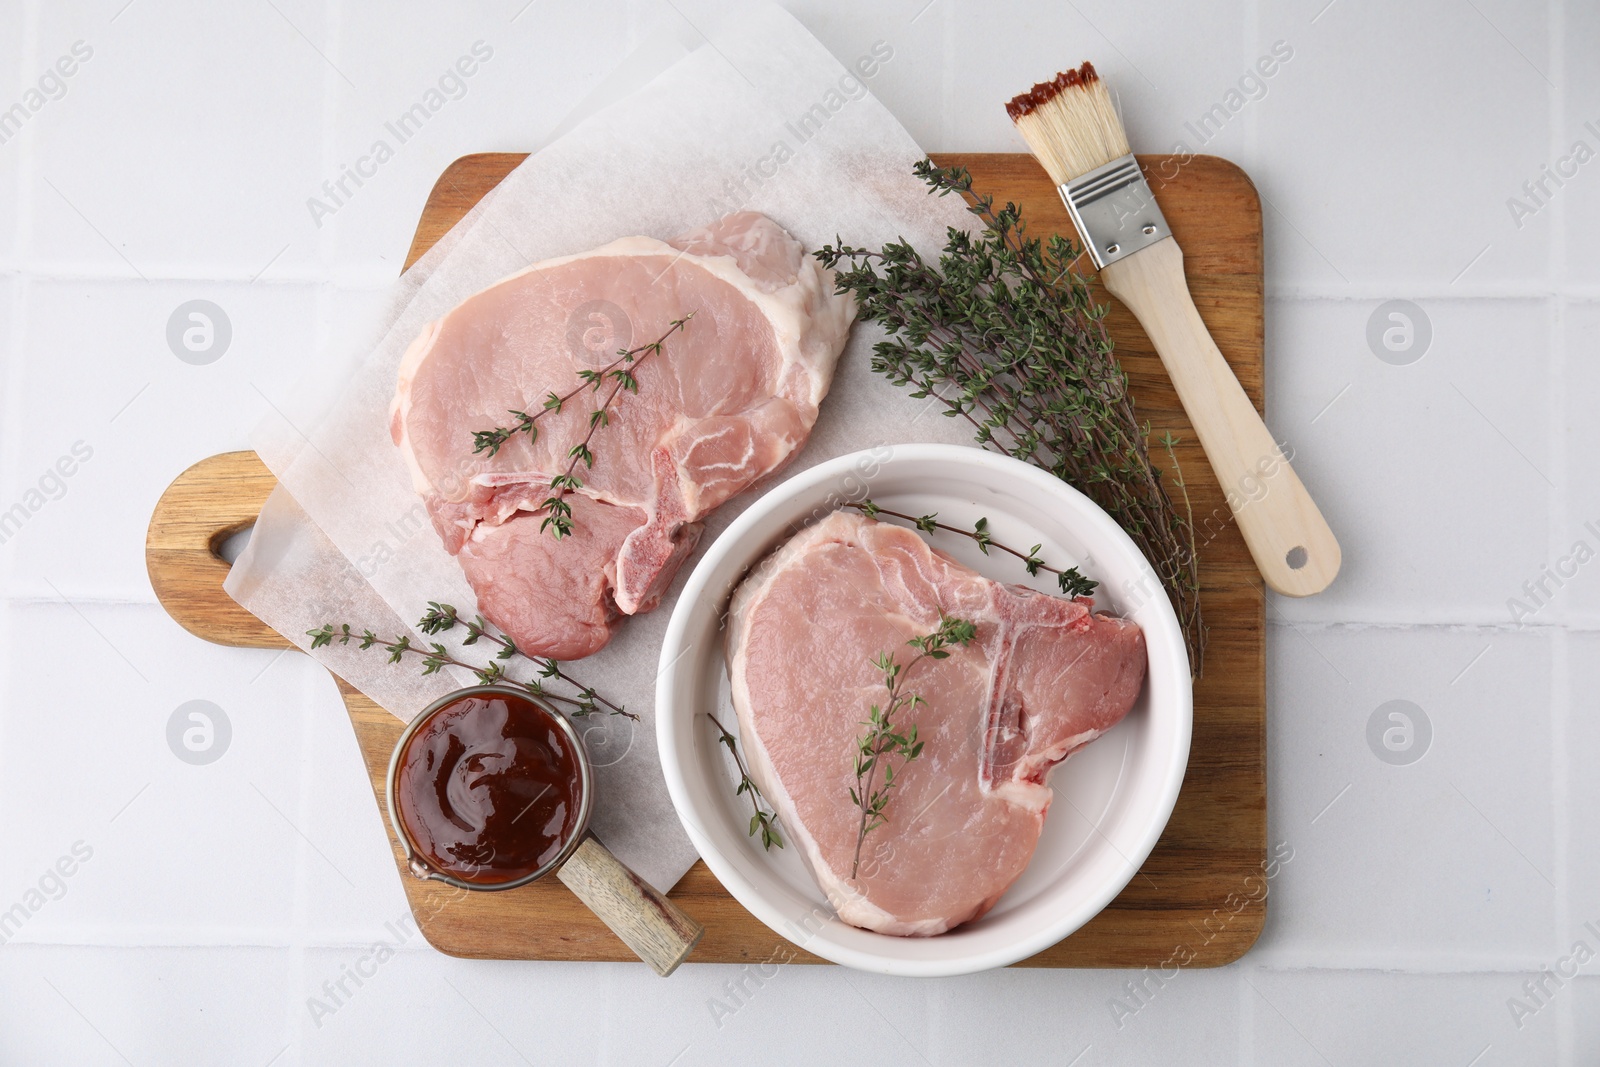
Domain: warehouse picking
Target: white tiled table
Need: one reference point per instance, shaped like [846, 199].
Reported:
[217, 900]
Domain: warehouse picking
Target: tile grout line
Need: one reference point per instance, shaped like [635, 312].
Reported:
[1561, 760]
[1468, 293]
[1560, 667]
[1585, 623]
[1245, 1036]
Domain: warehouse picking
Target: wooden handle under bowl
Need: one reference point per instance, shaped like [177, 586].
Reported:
[650, 924]
[1293, 547]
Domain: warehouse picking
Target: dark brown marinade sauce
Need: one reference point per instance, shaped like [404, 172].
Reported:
[1044, 92]
[488, 789]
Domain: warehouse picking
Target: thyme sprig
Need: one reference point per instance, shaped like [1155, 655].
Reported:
[435, 657]
[883, 740]
[1071, 580]
[442, 617]
[493, 440]
[621, 373]
[1007, 334]
[558, 517]
[763, 822]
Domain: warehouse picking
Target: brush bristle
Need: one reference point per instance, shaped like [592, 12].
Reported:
[1070, 123]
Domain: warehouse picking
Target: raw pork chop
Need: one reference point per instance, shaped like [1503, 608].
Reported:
[728, 400]
[1043, 677]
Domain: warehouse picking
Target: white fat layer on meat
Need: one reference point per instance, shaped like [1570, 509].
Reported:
[1060, 752]
[1029, 795]
[1037, 796]
[400, 407]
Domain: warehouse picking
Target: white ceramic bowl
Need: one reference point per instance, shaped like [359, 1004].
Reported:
[1112, 798]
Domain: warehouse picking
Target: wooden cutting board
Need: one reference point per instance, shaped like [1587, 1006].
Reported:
[1195, 895]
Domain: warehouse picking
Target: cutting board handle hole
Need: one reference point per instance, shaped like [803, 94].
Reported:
[1296, 557]
[227, 544]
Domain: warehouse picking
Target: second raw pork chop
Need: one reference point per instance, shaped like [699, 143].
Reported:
[1043, 677]
[728, 400]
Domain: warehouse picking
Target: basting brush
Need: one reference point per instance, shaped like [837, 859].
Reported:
[1073, 129]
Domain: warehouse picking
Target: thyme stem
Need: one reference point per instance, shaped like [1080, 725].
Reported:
[763, 822]
[882, 739]
[558, 517]
[1071, 580]
[441, 617]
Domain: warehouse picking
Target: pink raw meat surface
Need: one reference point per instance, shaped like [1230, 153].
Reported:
[727, 401]
[1043, 677]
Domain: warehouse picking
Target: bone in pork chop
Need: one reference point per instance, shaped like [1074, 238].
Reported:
[728, 400]
[1043, 677]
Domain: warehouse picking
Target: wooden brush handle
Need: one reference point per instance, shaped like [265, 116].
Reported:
[1292, 545]
[650, 924]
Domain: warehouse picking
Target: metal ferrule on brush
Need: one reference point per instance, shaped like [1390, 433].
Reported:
[1114, 210]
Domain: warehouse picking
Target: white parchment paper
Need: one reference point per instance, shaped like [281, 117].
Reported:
[757, 116]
